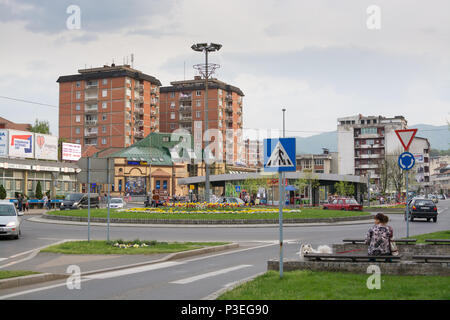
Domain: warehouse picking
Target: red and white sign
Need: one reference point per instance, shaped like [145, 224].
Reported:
[406, 137]
[71, 151]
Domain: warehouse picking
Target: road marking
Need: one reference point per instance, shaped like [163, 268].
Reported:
[2, 259]
[34, 290]
[119, 273]
[211, 274]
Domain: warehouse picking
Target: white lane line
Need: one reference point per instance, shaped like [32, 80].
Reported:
[119, 273]
[2, 259]
[211, 274]
[35, 290]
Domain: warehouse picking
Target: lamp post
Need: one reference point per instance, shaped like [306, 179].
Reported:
[206, 70]
[281, 186]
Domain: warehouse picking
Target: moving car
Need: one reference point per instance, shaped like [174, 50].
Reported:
[343, 204]
[79, 201]
[433, 198]
[116, 203]
[10, 220]
[422, 208]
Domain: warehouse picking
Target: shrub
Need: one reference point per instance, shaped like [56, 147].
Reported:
[2, 192]
[38, 190]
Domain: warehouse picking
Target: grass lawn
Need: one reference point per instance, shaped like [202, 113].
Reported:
[315, 285]
[435, 235]
[304, 214]
[102, 247]
[5, 274]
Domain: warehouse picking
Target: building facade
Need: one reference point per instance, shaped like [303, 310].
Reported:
[108, 107]
[182, 106]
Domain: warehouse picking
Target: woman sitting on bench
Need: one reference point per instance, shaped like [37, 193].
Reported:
[379, 236]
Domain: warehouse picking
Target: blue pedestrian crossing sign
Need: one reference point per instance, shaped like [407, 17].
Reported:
[279, 155]
[406, 161]
[238, 188]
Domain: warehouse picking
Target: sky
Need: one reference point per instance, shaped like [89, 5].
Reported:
[320, 60]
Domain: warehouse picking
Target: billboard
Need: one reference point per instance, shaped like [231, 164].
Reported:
[3, 143]
[71, 151]
[45, 147]
[21, 144]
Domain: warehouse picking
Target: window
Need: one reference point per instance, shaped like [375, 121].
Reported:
[104, 117]
[370, 141]
[172, 94]
[198, 93]
[172, 105]
[128, 81]
[369, 131]
[172, 115]
[220, 92]
[78, 94]
[77, 130]
[199, 103]
[165, 184]
[103, 140]
[77, 118]
[172, 126]
[77, 107]
[105, 81]
[104, 105]
[77, 141]
[104, 129]
[78, 84]
[220, 102]
[158, 184]
[104, 93]
[198, 114]
[318, 162]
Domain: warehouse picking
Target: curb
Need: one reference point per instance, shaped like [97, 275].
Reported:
[208, 222]
[31, 279]
[216, 294]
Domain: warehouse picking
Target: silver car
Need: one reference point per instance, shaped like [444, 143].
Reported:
[116, 203]
[10, 220]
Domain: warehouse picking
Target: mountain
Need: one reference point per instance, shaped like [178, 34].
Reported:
[438, 136]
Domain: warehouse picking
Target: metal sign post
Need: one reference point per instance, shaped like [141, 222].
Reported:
[406, 162]
[89, 196]
[407, 207]
[108, 200]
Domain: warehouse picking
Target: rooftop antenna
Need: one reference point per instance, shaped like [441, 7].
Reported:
[127, 59]
[132, 60]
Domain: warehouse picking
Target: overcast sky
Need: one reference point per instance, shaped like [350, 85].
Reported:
[318, 59]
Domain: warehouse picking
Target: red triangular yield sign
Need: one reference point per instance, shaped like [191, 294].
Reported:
[406, 137]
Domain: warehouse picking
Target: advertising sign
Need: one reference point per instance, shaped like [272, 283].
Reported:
[419, 158]
[45, 147]
[21, 144]
[3, 143]
[71, 151]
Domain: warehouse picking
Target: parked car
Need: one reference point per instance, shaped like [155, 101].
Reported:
[343, 204]
[80, 201]
[10, 220]
[433, 198]
[422, 208]
[230, 200]
[116, 203]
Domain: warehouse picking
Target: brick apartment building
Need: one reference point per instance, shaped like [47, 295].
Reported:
[6, 124]
[108, 107]
[182, 106]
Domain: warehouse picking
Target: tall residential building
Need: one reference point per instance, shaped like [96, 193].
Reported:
[108, 107]
[182, 106]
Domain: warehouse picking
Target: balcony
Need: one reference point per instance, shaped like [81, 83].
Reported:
[229, 120]
[90, 122]
[90, 98]
[229, 97]
[139, 123]
[185, 97]
[367, 166]
[91, 85]
[153, 102]
[185, 109]
[139, 134]
[91, 133]
[91, 108]
[138, 110]
[186, 118]
[370, 156]
[229, 108]
[369, 146]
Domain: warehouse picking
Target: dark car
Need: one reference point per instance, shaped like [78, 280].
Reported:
[422, 208]
[79, 201]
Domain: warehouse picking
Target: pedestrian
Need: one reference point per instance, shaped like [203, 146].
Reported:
[379, 237]
[45, 199]
[49, 203]
[19, 202]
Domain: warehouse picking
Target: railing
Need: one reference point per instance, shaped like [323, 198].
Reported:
[90, 122]
[185, 97]
[185, 118]
[90, 133]
[91, 108]
[90, 98]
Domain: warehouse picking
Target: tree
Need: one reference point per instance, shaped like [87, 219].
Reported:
[344, 188]
[38, 192]
[2, 192]
[41, 127]
[311, 181]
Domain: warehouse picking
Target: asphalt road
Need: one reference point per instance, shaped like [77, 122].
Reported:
[193, 278]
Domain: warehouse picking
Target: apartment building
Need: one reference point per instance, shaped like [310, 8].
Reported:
[108, 107]
[254, 153]
[364, 142]
[317, 163]
[182, 106]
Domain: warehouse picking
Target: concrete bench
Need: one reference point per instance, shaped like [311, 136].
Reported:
[353, 258]
[436, 258]
[402, 241]
[438, 241]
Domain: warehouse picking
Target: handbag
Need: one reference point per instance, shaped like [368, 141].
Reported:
[394, 249]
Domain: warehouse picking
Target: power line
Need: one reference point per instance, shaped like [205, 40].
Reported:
[32, 102]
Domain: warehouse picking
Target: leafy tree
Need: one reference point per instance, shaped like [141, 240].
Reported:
[312, 182]
[41, 127]
[38, 192]
[344, 188]
[2, 192]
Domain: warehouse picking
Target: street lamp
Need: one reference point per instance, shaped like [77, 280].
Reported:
[206, 70]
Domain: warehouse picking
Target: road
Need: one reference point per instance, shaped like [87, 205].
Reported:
[192, 278]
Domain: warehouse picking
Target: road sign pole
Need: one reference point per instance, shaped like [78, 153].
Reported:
[109, 197]
[407, 209]
[89, 196]
[280, 216]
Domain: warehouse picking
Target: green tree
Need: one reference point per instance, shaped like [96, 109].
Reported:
[38, 192]
[2, 192]
[41, 127]
[344, 188]
[311, 181]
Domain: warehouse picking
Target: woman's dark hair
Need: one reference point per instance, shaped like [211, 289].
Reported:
[382, 218]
